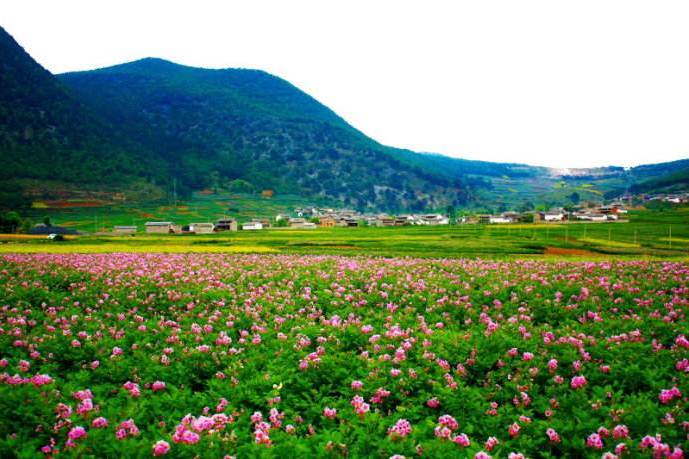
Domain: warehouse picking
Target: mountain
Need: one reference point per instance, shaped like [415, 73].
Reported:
[48, 134]
[247, 126]
[149, 126]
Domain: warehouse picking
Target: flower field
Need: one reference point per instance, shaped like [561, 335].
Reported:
[214, 355]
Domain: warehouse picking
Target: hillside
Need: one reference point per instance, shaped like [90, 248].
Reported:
[249, 128]
[47, 134]
[151, 126]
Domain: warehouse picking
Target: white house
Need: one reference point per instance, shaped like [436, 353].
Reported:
[159, 227]
[592, 217]
[252, 226]
[201, 228]
[435, 219]
[553, 217]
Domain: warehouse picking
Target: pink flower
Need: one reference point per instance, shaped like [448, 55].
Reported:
[329, 413]
[491, 443]
[578, 382]
[667, 395]
[356, 385]
[161, 448]
[433, 403]
[594, 441]
[448, 421]
[514, 430]
[99, 423]
[462, 440]
[359, 405]
[158, 386]
[41, 380]
[401, 429]
[76, 433]
[552, 435]
[552, 364]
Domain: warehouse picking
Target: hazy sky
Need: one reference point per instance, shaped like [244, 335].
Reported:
[557, 83]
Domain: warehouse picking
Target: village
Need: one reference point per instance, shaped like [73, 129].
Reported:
[311, 218]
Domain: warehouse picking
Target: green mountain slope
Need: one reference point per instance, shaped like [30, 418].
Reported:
[236, 124]
[149, 124]
[47, 134]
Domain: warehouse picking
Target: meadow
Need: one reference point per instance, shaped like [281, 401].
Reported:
[227, 355]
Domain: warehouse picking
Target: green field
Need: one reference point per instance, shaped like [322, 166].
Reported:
[200, 208]
[648, 234]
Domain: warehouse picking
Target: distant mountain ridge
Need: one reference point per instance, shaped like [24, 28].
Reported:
[152, 123]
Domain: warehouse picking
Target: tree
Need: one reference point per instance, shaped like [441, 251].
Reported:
[10, 222]
[526, 207]
[575, 198]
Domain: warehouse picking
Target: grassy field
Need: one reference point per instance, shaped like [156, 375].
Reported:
[648, 234]
[89, 216]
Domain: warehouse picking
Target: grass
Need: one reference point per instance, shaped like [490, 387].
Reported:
[642, 237]
[647, 234]
[200, 208]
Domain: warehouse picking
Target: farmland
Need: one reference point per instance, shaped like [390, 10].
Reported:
[648, 234]
[183, 355]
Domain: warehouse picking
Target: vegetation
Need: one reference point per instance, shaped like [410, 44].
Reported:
[661, 234]
[152, 127]
[149, 355]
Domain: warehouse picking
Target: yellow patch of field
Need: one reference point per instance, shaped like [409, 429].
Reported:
[112, 248]
[674, 239]
[39, 205]
[607, 243]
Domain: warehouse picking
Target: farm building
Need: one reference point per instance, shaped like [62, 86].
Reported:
[226, 224]
[552, 216]
[592, 217]
[434, 219]
[124, 229]
[252, 226]
[347, 222]
[160, 227]
[301, 223]
[201, 228]
[327, 222]
[404, 220]
[385, 221]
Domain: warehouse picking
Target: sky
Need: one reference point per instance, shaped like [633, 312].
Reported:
[553, 83]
